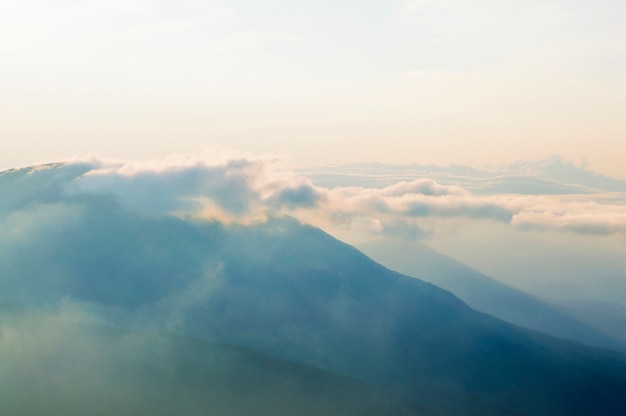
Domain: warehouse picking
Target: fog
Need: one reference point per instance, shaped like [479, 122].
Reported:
[58, 365]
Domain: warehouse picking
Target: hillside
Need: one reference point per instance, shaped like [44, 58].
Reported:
[490, 296]
[55, 366]
[294, 292]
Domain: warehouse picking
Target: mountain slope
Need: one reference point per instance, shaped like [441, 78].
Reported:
[607, 316]
[488, 295]
[54, 366]
[295, 292]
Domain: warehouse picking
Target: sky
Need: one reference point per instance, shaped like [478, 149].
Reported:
[431, 82]
[499, 125]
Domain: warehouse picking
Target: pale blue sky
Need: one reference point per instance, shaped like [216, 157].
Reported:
[452, 81]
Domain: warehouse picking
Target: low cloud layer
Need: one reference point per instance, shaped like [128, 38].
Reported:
[244, 188]
[551, 194]
[221, 185]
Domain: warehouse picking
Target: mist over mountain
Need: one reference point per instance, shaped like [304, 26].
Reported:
[608, 317]
[55, 365]
[185, 187]
[490, 296]
[274, 285]
[550, 227]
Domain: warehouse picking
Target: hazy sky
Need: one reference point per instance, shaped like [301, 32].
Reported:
[430, 81]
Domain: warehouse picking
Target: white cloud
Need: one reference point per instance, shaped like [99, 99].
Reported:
[230, 186]
[551, 194]
[594, 219]
[215, 182]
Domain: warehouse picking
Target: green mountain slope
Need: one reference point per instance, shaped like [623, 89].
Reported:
[53, 366]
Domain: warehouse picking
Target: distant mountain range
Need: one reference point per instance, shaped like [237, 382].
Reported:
[285, 289]
[608, 317]
[551, 176]
[572, 320]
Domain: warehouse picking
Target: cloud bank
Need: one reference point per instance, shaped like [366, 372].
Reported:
[217, 185]
[235, 187]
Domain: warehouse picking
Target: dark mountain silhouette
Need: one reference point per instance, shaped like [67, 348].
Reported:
[295, 292]
[490, 296]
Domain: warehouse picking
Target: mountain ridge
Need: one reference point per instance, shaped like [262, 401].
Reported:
[295, 292]
[486, 294]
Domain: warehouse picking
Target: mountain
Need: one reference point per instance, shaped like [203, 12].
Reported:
[608, 317]
[56, 366]
[490, 296]
[292, 291]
